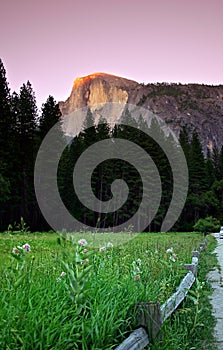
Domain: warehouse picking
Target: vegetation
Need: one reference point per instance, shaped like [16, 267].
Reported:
[209, 224]
[191, 326]
[22, 131]
[80, 293]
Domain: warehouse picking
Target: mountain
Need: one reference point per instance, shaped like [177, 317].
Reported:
[199, 107]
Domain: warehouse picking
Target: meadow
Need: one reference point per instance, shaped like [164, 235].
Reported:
[80, 291]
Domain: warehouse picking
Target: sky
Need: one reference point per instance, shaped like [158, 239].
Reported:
[52, 42]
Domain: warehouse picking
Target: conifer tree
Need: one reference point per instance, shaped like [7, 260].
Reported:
[197, 168]
[185, 142]
[25, 110]
[86, 138]
[210, 169]
[100, 176]
[216, 162]
[7, 149]
[6, 118]
[88, 133]
[221, 164]
[6, 122]
[51, 114]
[198, 182]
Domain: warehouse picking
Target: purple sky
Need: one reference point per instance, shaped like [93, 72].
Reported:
[52, 42]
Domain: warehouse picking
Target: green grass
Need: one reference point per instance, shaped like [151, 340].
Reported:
[92, 306]
[191, 326]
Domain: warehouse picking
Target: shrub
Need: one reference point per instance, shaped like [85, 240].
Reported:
[209, 224]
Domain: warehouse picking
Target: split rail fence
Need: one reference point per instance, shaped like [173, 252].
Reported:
[151, 316]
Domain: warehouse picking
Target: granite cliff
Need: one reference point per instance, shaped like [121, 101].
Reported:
[198, 107]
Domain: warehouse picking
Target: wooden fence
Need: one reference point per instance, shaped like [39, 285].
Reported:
[151, 316]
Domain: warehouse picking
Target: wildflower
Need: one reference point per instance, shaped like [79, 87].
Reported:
[58, 279]
[26, 247]
[174, 256]
[136, 277]
[102, 249]
[85, 262]
[169, 250]
[139, 261]
[18, 251]
[85, 251]
[63, 274]
[82, 242]
[137, 269]
[109, 245]
[146, 252]
[15, 250]
[196, 302]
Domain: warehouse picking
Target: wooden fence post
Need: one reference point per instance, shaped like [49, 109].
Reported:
[202, 246]
[192, 268]
[148, 315]
[195, 254]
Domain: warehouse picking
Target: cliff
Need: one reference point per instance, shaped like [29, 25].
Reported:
[198, 107]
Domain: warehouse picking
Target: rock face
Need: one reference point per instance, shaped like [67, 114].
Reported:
[95, 89]
[198, 107]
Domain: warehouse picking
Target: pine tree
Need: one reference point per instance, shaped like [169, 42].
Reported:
[198, 183]
[26, 116]
[102, 171]
[216, 162]
[197, 168]
[25, 110]
[50, 116]
[5, 121]
[103, 129]
[7, 150]
[185, 142]
[210, 169]
[221, 164]
[88, 133]
[86, 138]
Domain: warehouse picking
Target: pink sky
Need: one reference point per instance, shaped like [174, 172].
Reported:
[52, 42]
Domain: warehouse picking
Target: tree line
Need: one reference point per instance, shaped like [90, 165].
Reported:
[22, 130]
[205, 191]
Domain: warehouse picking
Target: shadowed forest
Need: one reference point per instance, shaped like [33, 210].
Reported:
[22, 129]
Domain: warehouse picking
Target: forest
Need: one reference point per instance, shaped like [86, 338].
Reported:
[22, 130]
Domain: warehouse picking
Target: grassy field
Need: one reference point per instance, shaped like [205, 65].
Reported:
[80, 293]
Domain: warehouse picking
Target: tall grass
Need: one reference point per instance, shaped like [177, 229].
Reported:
[191, 325]
[65, 295]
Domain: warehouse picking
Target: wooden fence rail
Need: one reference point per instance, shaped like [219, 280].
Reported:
[138, 339]
[150, 316]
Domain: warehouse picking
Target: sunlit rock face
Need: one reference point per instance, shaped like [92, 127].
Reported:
[198, 107]
[94, 91]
